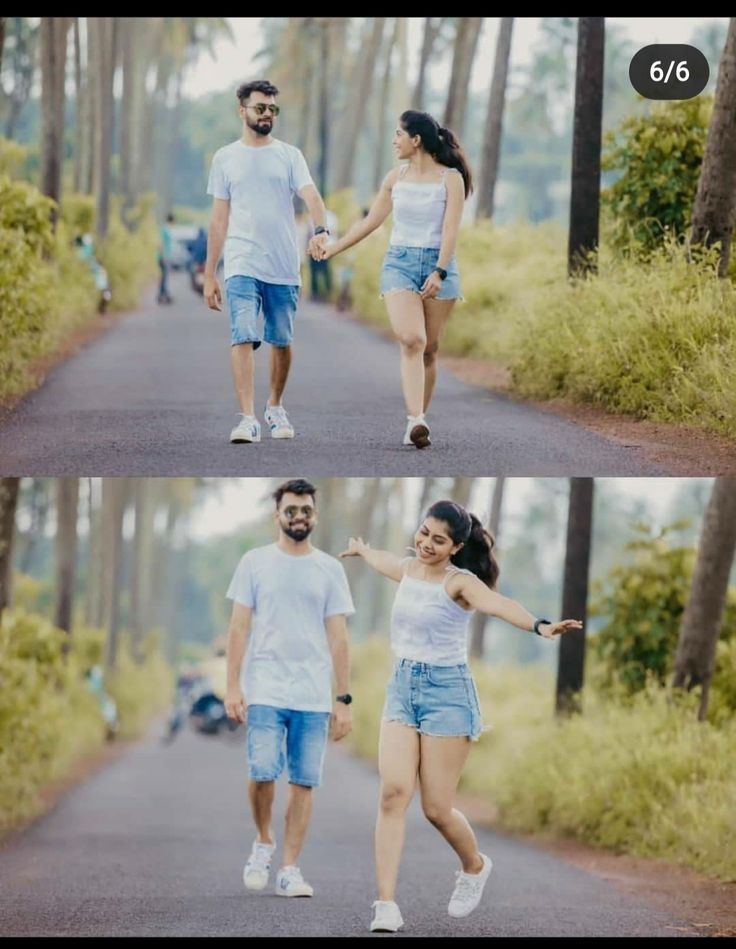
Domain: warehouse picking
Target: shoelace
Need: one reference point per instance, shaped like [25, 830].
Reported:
[294, 875]
[278, 414]
[260, 858]
[466, 886]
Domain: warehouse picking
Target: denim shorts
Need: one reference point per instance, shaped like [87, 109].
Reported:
[406, 268]
[278, 736]
[248, 298]
[436, 700]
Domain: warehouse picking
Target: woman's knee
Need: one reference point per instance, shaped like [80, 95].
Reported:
[436, 813]
[430, 353]
[412, 343]
[394, 798]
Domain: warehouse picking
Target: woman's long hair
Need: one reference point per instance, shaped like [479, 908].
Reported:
[464, 528]
[439, 142]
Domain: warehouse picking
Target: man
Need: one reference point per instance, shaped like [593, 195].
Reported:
[164, 259]
[252, 182]
[296, 599]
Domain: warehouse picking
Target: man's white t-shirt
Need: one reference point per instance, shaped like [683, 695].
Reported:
[260, 183]
[288, 663]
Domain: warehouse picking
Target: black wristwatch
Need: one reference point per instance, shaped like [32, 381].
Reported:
[538, 623]
[321, 230]
[442, 272]
[346, 699]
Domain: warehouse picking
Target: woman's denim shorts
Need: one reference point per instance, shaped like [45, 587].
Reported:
[406, 268]
[436, 700]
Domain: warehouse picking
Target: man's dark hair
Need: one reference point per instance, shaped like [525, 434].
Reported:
[257, 85]
[295, 486]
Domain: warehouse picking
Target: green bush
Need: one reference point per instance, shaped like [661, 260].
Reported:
[644, 602]
[659, 155]
[49, 716]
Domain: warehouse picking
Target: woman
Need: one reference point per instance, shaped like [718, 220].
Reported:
[431, 712]
[419, 279]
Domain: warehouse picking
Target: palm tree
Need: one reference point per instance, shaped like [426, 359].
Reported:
[432, 29]
[8, 503]
[467, 35]
[480, 621]
[53, 72]
[67, 500]
[575, 594]
[701, 621]
[714, 211]
[494, 120]
[586, 146]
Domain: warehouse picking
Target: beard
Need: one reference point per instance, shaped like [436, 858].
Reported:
[297, 533]
[261, 128]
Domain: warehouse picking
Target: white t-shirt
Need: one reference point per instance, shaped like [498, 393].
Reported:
[288, 663]
[260, 182]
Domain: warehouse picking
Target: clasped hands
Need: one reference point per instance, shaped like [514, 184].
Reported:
[318, 248]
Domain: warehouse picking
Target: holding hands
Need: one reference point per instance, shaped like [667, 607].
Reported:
[318, 247]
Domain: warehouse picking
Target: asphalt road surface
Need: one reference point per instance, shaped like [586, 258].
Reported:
[153, 396]
[154, 845]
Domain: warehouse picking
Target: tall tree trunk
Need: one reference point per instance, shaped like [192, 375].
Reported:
[114, 499]
[67, 501]
[361, 83]
[461, 488]
[494, 120]
[2, 38]
[128, 38]
[8, 503]
[384, 93]
[479, 623]
[142, 571]
[93, 586]
[575, 595]
[432, 26]
[324, 114]
[714, 211]
[39, 502]
[53, 71]
[105, 39]
[586, 146]
[701, 621]
[81, 133]
[466, 43]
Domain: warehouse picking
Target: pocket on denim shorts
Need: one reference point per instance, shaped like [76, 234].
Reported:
[394, 252]
[448, 675]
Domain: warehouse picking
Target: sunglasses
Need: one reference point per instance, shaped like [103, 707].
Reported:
[292, 510]
[261, 108]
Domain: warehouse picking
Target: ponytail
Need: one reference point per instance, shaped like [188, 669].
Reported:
[440, 142]
[476, 552]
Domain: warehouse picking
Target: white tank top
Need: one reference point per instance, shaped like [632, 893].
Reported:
[419, 211]
[427, 625]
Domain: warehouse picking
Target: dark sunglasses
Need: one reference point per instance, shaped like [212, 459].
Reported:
[292, 510]
[261, 108]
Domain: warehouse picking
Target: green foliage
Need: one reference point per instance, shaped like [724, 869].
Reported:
[130, 256]
[49, 717]
[659, 155]
[644, 602]
[640, 777]
[140, 689]
[78, 213]
[12, 157]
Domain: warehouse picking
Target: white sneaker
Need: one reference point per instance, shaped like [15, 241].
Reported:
[248, 429]
[469, 889]
[387, 918]
[290, 882]
[277, 420]
[256, 870]
[417, 431]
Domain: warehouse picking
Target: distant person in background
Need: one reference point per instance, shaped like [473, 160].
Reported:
[253, 181]
[319, 270]
[164, 259]
[287, 640]
[198, 247]
[431, 713]
[419, 280]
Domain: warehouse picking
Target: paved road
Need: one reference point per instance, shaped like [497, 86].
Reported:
[154, 397]
[153, 845]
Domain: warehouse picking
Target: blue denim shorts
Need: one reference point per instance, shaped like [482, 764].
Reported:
[406, 268]
[248, 298]
[278, 736]
[436, 700]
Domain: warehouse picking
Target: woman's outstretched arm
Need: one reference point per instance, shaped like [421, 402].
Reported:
[481, 598]
[381, 560]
